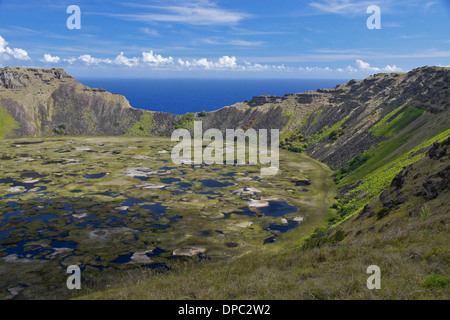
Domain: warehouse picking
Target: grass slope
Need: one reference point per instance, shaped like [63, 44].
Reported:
[7, 123]
[408, 244]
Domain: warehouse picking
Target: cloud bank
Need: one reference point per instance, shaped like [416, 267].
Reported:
[153, 60]
[7, 53]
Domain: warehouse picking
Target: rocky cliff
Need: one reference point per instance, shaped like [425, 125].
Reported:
[332, 125]
[42, 102]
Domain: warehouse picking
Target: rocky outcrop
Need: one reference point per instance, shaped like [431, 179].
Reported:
[439, 150]
[11, 80]
[428, 178]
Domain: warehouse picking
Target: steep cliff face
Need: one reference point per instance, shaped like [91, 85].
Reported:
[414, 105]
[49, 101]
[419, 193]
[340, 123]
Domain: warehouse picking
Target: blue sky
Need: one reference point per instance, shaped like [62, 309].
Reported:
[207, 38]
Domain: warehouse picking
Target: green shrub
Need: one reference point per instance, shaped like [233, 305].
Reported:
[425, 213]
[382, 212]
[352, 165]
[436, 281]
[202, 114]
[321, 237]
[336, 133]
[298, 147]
[338, 236]
[185, 122]
[144, 127]
[60, 130]
[294, 141]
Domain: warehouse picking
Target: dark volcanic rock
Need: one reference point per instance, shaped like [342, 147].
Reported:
[439, 150]
[430, 190]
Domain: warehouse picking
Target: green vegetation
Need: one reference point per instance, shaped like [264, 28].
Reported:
[60, 130]
[144, 127]
[294, 141]
[389, 126]
[118, 199]
[353, 164]
[7, 123]
[382, 123]
[436, 281]
[336, 133]
[332, 266]
[298, 267]
[89, 116]
[382, 212]
[186, 121]
[425, 213]
[380, 166]
[291, 116]
[322, 236]
[326, 132]
[316, 113]
[100, 175]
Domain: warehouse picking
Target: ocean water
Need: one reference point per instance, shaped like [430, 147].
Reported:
[179, 96]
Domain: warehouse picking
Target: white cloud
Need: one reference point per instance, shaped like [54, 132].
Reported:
[19, 54]
[183, 63]
[359, 7]
[122, 60]
[150, 32]
[341, 7]
[315, 69]
[362, 67]
[3, 43]
[365, 66]
[222, 63]
[200, 12]
[263, 67]
[88, 60]
[155, 59]
[227, 62]
[16, 53]
[70, 60]
[48, 58]
[245, 43]
[393, 68]
[203, 63]
[255, 66]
